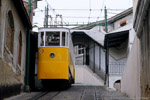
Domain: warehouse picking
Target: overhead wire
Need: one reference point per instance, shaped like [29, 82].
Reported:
[50, 7]
[101, 10]
[90, 10]
[85, 9]
[53, 10]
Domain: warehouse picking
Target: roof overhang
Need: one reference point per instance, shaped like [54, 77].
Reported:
[115, 39]
[95, 36]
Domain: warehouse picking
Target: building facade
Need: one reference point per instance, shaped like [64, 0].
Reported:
[135, 79]
[14, 23]
[105, 53]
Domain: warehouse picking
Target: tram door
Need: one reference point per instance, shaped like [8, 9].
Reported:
[87, 56]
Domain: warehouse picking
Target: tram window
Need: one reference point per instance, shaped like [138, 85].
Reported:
[63, 38]
[67, 39]
[52, 39]
[42, 39]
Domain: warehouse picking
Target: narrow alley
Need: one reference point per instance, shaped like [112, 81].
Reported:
[74, 49]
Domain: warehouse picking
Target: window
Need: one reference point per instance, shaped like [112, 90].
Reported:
[80, 49]
[123, 23]
[67, 39]
[63, 38]
[19, 48]
[9, 38]
[52, 39]
[42, 39]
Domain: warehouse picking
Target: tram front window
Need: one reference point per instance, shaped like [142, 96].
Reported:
[52, 39]
[42, 39]
[63, 38]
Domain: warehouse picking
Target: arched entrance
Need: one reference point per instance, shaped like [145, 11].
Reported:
[117, 85]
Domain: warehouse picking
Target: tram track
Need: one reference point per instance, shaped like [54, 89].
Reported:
[36, 97]
[83, 94]
[95, 95]
[54, 95]
[41, 96]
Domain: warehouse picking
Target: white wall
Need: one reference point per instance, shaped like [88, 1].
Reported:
[129, 19]
[131, 38]
[83, 75]
[113, 79]
[135, 2]
[130, 83]
[97, 53]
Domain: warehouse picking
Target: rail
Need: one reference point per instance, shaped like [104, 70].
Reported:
[97, 69]
[116, 67]
[38, 96]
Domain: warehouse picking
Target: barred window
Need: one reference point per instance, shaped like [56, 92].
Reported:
[80, 49]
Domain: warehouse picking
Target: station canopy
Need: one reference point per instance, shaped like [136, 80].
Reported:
[117, 39]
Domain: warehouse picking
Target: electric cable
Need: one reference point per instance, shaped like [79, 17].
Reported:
[101, 10]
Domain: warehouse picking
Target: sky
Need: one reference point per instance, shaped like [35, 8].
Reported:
[78, 11]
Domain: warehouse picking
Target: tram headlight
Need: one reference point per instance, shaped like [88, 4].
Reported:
[52, 55]
[41, 51]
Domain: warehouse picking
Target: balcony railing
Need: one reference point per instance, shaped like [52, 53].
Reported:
[116, 67]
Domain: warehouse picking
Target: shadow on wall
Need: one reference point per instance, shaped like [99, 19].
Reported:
[9, 81]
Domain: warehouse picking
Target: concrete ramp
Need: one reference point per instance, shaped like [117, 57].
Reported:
[84, 75]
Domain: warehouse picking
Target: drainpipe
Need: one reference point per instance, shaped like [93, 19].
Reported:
[47, 17]
[106, 20]
[83, 49]
[99, 58]
[27, 87]
[107, 53]
[107, 63]
[94, 57]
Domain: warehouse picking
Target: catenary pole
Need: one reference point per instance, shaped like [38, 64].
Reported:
[28, 49]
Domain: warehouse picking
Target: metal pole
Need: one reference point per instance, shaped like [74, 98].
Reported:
[107, 63]
[28, 49]
[99, 58]
[106, 20]
[94, 57]
[29, 7]
[83, 49]
[47, 17]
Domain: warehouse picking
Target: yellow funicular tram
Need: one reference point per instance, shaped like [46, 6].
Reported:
[55, 57]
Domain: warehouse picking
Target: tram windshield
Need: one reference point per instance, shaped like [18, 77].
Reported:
[51, 38]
